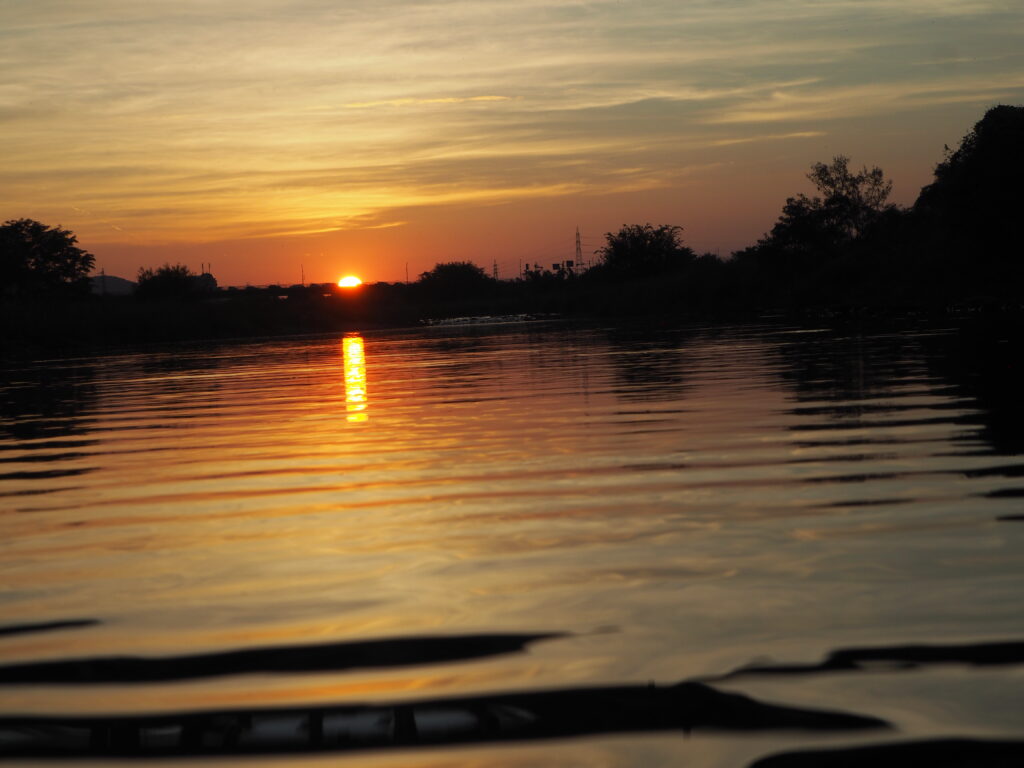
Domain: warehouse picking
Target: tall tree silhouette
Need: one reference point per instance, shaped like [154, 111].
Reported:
[825, 248]
[970, 215]
[849, 204]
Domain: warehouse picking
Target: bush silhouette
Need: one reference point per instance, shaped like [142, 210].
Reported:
[173, 281]
[454, 280]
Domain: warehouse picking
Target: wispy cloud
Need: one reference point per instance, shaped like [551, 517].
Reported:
[768, 137]
[409, 101]
[841, 102]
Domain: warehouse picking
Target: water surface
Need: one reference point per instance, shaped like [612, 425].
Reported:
[607, 506]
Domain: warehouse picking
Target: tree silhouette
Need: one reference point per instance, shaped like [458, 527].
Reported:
[454, 280]
[850, 203]
[643, 249]
[825, 248]
[35, 258]
[852, 200]
[971, 212]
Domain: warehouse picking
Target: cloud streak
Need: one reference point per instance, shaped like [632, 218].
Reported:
[409, 101]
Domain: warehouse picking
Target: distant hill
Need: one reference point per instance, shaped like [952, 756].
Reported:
[111, 286]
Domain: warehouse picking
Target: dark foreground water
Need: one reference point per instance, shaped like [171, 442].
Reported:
[401, 542]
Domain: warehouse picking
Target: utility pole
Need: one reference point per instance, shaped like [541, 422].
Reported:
[407, 272]
[579, 247]
[494, 268]
[303, 268]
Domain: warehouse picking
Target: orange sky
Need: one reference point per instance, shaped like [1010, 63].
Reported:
[362, 137]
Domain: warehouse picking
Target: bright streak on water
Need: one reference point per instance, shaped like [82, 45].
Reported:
[355, 378]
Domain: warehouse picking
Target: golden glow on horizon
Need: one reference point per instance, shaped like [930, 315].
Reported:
[349, 281]
[355, 379]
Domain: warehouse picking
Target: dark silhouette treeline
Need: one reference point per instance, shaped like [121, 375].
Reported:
[848, 249]
[844, 251]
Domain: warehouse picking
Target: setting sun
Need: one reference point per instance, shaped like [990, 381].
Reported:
[349, 281]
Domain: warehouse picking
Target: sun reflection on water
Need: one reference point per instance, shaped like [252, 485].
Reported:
[355, 378]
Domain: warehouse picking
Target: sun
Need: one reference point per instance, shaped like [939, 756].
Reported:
[349, 281]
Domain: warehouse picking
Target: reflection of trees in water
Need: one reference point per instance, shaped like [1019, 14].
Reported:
[986, 366]
[46, 402]
[838, 372]
[459, 356]
[645, 364]
[459, 344]
[205, 360]
[470, 353]
[648, 365]
[503, 362]
[179, 380]
[169, 372]
[842, 369]
[44, 416]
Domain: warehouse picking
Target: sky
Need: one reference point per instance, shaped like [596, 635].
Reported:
[277, 141]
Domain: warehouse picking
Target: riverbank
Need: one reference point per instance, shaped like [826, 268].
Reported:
[90, 324]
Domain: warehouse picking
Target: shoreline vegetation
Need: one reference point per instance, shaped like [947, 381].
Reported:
[845, 254]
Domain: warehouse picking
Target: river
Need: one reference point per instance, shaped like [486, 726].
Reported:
[450, 513]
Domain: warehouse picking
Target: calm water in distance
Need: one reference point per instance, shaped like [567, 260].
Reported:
[680, 503]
